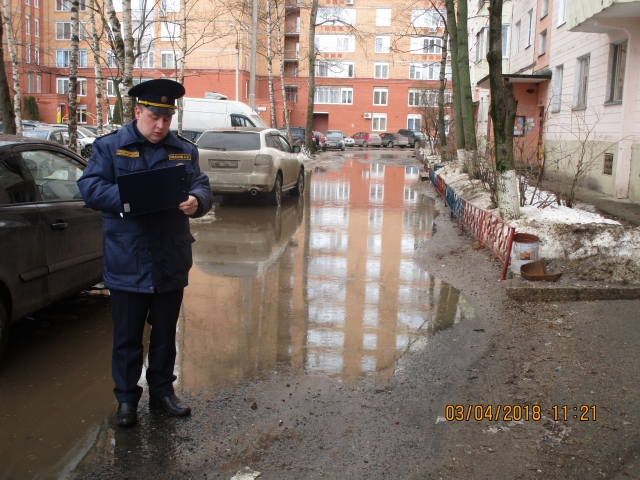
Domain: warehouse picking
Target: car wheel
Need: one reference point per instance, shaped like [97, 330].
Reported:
[365, 144]
[324, 149]
[274, 197]
[390, 144]
[4, 329]
[342, 148]
[299, 188]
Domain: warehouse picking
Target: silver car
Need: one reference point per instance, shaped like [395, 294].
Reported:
[348, 141]
[255, 160]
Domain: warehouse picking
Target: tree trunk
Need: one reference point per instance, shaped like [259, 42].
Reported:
[95, 49]
[285, 104]
[312, 74]
[119, 46]
[452, 28]
[503, 113]
[11, 45]
[183, 60]
[127, 72]
[443, 83]
[73, 77]
[466, 96]
[272, 100]
[6, 110]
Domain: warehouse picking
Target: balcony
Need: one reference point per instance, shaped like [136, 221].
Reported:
[292, 5]
[600, 16]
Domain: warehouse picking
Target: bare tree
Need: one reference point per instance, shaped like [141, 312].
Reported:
[11, 45]
[8, 117]
[503, 114]
[269, 53]
[312, 75]
[73, 77]
[97, 67]
[278, 25]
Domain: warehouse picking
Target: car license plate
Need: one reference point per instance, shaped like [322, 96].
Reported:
[223, 163]
[333, 144]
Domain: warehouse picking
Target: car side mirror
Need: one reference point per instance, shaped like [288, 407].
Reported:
[296, 149]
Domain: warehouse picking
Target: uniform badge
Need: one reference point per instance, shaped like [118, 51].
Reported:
[180, 156]
[163, 99]
[127, 153]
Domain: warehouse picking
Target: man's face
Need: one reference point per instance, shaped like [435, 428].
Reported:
[152, 126]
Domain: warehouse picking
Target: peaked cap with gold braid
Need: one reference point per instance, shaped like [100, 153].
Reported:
[158, 95]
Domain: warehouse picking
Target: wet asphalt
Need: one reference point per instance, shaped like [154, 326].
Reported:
[308, 301]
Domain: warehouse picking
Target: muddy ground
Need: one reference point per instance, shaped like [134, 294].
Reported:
[512, 353]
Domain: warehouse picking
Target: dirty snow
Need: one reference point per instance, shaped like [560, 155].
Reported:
[601, 248]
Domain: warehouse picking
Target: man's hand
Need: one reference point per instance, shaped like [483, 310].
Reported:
[189, 206]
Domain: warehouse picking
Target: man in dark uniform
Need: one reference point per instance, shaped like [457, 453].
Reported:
[146, 257]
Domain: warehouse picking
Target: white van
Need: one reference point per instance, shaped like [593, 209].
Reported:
[200, 114]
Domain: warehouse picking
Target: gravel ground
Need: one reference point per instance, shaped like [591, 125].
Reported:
[289, 425]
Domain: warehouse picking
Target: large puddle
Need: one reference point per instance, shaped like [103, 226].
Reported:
[323, 285]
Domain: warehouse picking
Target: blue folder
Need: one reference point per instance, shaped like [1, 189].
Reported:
[153, 190]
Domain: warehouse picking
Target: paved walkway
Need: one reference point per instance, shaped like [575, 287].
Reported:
[621, 208]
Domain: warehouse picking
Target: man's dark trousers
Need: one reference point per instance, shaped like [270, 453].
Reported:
[130, 311]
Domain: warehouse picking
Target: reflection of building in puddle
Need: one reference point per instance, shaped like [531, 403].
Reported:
[343, 298]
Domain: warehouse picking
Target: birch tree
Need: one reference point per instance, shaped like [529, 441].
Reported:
[127, 72]
[312, 75]
[97, 68]
[272, 101]
[443, 83]
[8, 117]
[11, 45]
[117, 43]
[503, 114]
[285, 106]
[73, 76]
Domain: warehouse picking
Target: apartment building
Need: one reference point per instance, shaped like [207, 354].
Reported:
[377, 64]
[579, 61]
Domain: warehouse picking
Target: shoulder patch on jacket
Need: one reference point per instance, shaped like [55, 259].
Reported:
[127, 153]
[185, 139]
[180, 156]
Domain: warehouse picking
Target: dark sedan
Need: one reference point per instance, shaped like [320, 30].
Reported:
[51, 244]
[394, 140]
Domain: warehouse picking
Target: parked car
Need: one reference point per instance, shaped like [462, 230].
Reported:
[365, 139]
[297, 134]
[394, 140]
[191, 135]
[52, 245]
[255, 160]
[414, 137]
[85, 141]
[58, 135]
[26, 123]
[322, 140]
[334, 140]
[348, 141]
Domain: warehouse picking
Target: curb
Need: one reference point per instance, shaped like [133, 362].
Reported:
[567, 294]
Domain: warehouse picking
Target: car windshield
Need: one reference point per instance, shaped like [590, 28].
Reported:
[334, 136]
[35, 133]
[230, 141]
[86, 132]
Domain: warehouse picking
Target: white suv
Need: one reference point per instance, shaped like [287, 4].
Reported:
[255, 160]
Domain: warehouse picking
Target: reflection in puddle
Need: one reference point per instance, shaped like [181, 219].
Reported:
[324, 286]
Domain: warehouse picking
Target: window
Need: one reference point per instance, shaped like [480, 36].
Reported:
[481, 44]
[169, 32]
[26, 2]
[530, 28]
[544, 8]
[292, 94]
[516, 37]
[414, 122]
[29, 82]
[581, 83]
[432, 45]
[427, 18]
[379, 123]
[383, 44]
[556, 100]
[62, 85]
[562, 12]
[36, 56]
[334, 43]
[81, 114]
[607, 168]
[380, 96]
[381, 70]
[617, 69]
[505, 41]
[27, 25]
[63, 31]
[336, 16]
[145, 60]
[542, 44]
[82, 87]
[38, 83]
[36, 3]
[65, 5]
[168, 59]
[334, 69]
[383, 17]
[334, 95]
[17, 183]
[425, 71]
[36, 27]
[27, 54]
[56, 173]
[111, 88]
[427, 98]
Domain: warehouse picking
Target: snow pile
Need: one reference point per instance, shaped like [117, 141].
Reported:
[599, 248]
